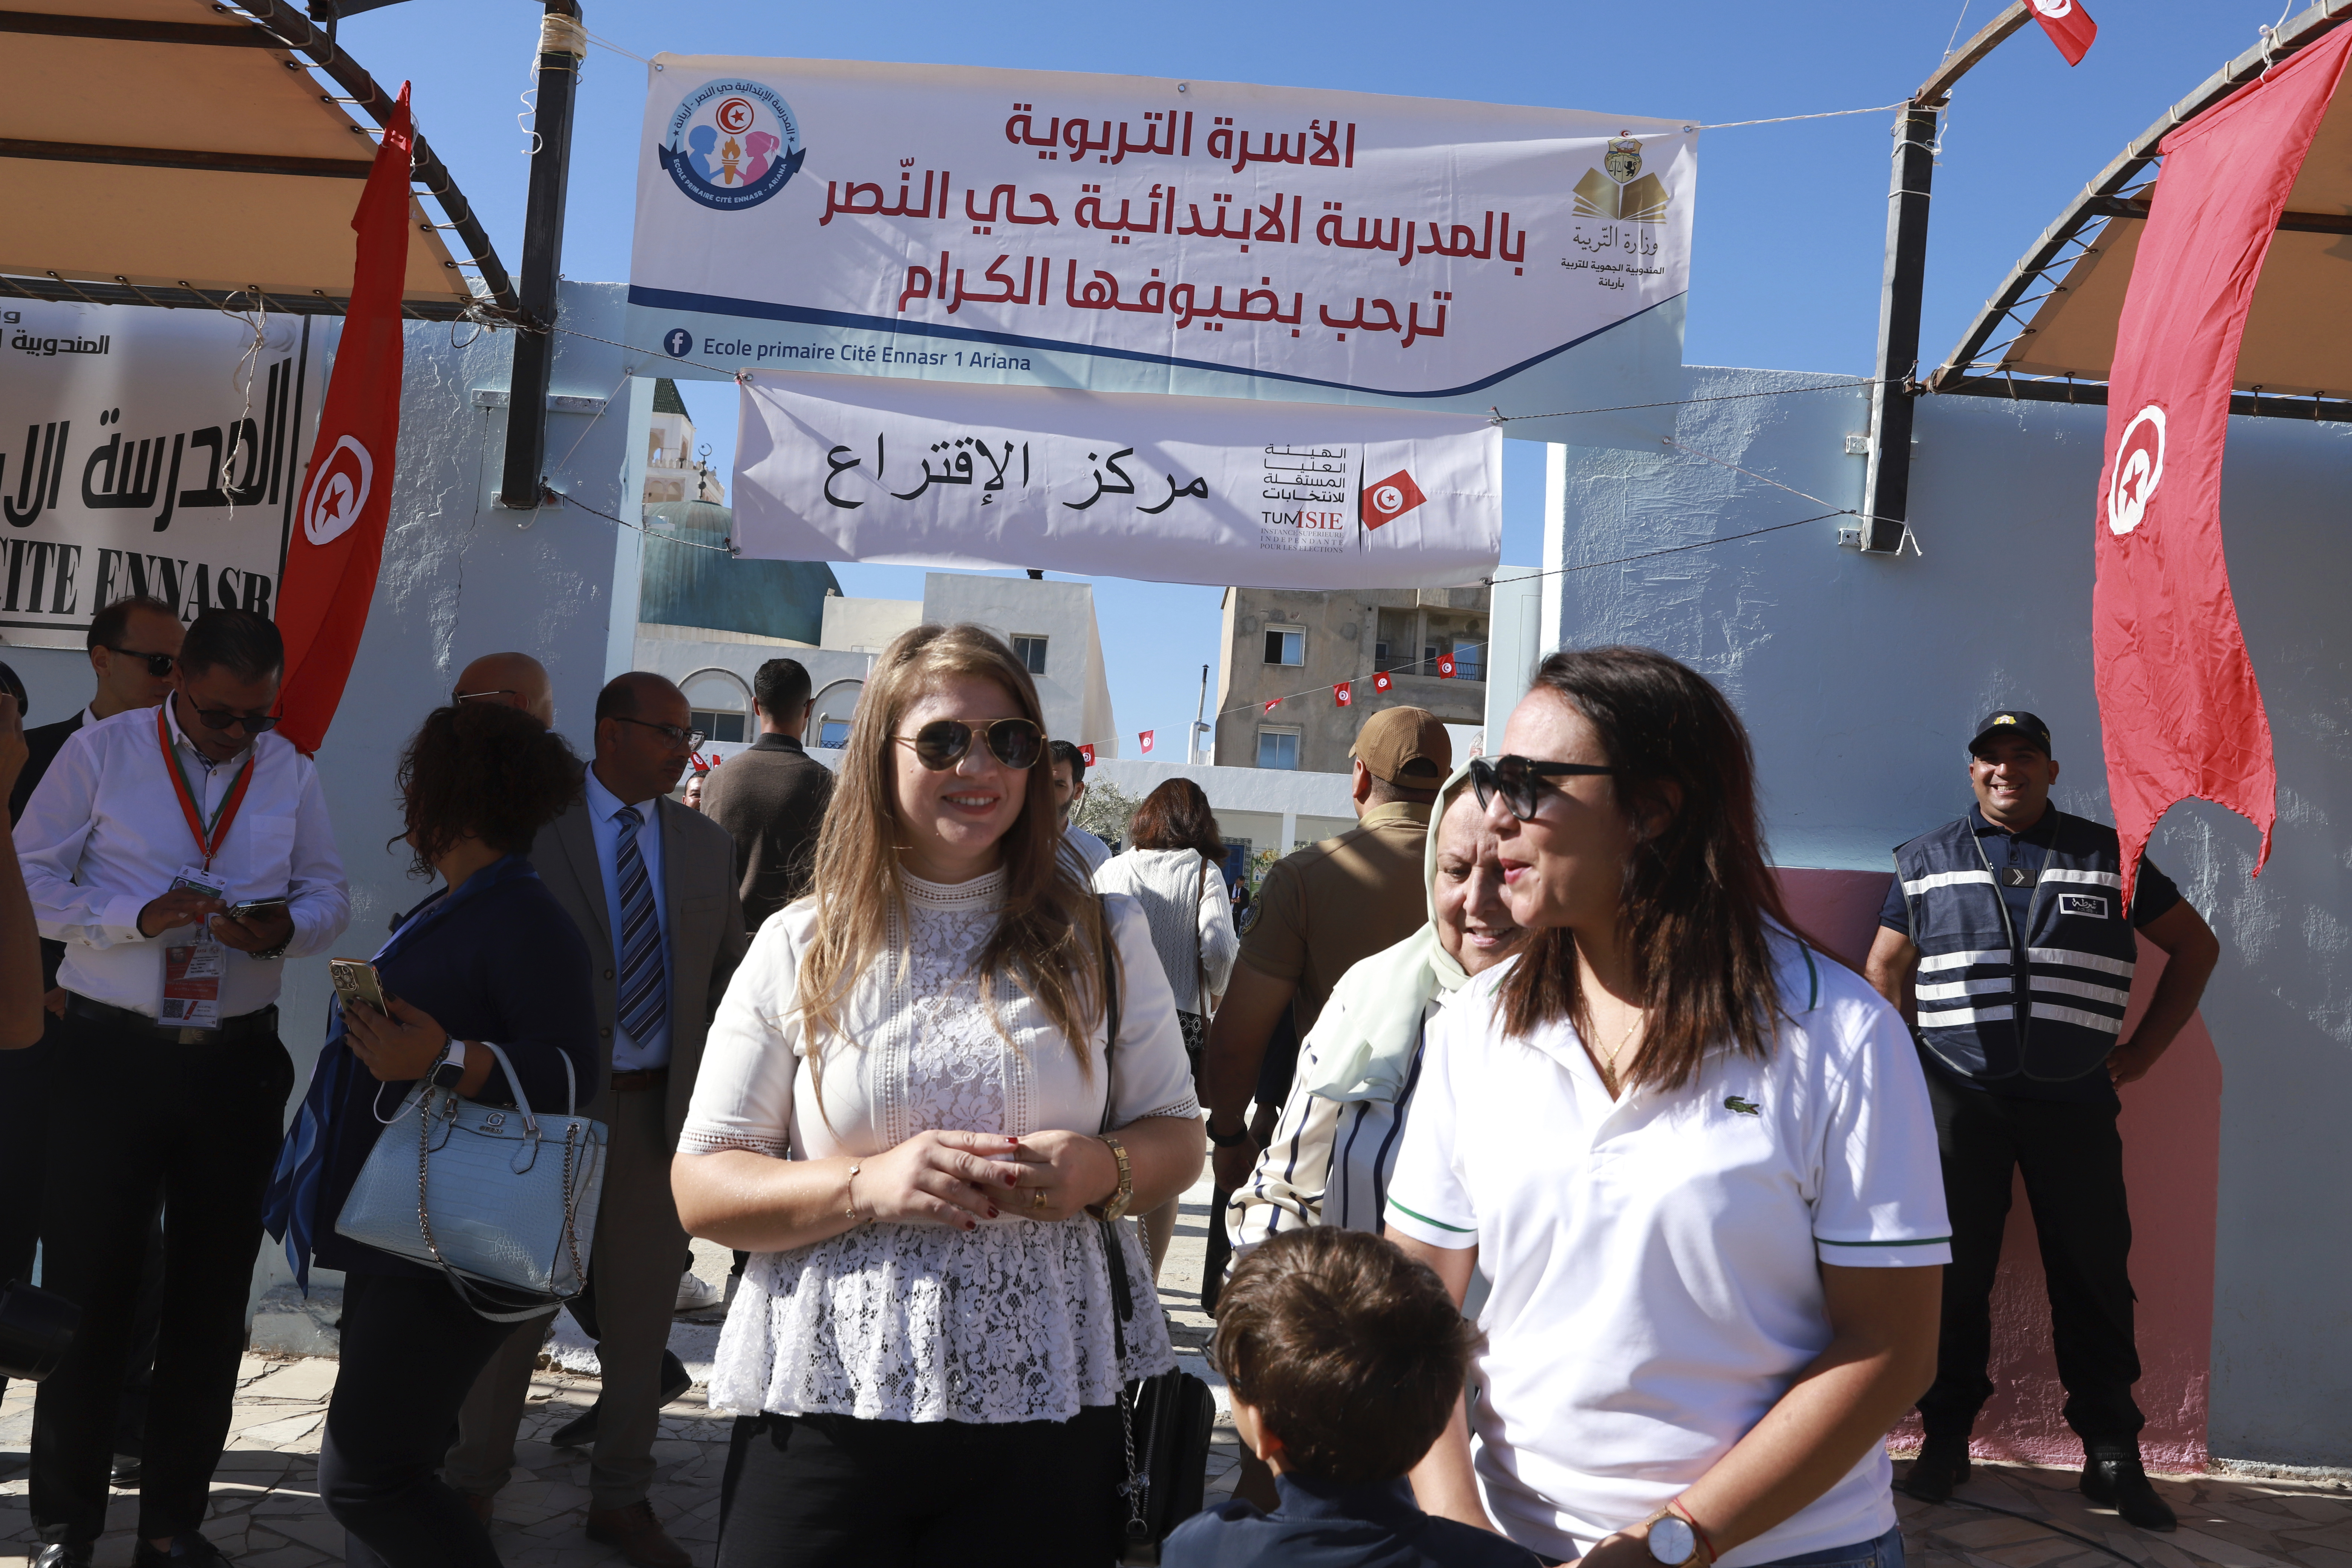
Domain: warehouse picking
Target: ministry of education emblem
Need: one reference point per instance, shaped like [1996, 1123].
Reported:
[1618, 190]
[732, 143]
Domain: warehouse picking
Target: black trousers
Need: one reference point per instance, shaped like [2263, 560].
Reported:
[2073, 1166]
[817, 1491]
[135, 1123]
[411, 1351]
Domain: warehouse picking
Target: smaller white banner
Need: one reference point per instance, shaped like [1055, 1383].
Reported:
[1170, 490]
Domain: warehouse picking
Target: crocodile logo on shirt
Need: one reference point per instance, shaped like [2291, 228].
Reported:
[1744, 1107]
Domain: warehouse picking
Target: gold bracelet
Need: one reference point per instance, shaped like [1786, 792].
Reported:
[849, 1189]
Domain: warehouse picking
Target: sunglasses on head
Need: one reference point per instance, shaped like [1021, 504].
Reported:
[1516, 780]
[158, 664]
[941, 743]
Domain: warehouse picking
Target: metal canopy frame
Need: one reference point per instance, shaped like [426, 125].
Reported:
[2121, 190]
[273, 25]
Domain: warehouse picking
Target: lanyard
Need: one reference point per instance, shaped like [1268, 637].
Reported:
[207, 844]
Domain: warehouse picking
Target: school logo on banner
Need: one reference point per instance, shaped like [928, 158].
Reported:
[732, 143]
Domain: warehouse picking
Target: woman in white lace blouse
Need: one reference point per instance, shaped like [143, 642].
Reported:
[899, 1111]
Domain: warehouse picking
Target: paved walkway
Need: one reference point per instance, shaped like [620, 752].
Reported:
[267, 1514]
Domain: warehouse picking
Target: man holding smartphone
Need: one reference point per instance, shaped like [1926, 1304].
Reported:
[149, 826]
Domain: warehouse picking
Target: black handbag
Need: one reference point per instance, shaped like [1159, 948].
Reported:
[1165, 1420]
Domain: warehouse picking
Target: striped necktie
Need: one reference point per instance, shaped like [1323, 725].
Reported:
[645, 989]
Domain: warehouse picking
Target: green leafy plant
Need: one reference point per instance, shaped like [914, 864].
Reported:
[1105, 812]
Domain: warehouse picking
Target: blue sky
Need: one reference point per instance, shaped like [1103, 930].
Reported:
[1790, 222]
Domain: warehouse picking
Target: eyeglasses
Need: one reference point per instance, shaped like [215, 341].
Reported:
[690, 739]
[158, 664]
[469, 696]
[940, 744]
[1515, 779]
[223, 720]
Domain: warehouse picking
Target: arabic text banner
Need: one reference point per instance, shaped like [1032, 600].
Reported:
[146, 451]
[1164, 490]
[1136, 234]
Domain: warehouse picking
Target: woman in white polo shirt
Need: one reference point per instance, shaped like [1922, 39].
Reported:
[1693, 1157]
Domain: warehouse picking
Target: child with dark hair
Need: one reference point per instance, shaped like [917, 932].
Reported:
[1346, 1360]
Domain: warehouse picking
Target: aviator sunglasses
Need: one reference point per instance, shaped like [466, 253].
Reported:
[220, 721]
[941, 743]
[1515, 779]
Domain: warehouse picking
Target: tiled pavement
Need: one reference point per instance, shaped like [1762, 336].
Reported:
[267, 1514]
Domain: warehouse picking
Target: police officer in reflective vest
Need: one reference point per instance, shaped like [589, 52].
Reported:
[2003, 940]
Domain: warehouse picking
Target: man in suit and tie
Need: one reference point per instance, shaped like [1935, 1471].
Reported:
[651, 885]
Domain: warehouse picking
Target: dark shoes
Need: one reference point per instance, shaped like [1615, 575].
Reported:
[189, 1549]
[2118, 1481]
[580, 1432]
[126, 1472]
[638, 1534]
[1942, 1464]
[57, 1554]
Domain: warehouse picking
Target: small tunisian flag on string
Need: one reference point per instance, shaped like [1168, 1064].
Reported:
[1086, 753]
[2068, 26]
[1344, 694]
[2178, 702]
[1445, 667]
[1271, 704]
[338, 538]
[1381, 682]
[1146, 738]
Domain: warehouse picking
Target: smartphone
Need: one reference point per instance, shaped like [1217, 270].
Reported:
[355, 981]
[249, 908]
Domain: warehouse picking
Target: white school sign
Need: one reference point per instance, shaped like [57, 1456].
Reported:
[1146, 234]
[1178, 489]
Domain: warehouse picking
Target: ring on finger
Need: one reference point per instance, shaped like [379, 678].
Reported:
[1037, 1199]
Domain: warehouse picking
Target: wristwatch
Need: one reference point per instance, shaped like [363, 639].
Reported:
[1116, 1205]
[445, 1072]
[1672, 1541]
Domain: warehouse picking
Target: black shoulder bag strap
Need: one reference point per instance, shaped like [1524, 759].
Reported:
[1122, 1293]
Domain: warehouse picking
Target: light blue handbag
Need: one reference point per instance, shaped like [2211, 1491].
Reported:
[502, 1201]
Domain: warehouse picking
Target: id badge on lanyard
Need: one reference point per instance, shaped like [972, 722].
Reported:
[196, 963]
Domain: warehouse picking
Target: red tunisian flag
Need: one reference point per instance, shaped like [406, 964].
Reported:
[2178, 702]
[1344, 694]
[1146, 738]
[338, 543]
[2068, 26]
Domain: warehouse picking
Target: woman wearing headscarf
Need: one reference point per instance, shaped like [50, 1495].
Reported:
[1332, 1149]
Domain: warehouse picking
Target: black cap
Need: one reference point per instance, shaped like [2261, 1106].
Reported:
[2016, 722]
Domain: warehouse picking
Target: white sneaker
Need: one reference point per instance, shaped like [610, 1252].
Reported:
[696, 1294]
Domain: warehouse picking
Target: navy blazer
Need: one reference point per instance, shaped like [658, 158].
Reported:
[1323, 1525]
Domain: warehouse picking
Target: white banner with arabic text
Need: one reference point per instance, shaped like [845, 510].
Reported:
[147, 451]
[1146, 234]
[1170, 489]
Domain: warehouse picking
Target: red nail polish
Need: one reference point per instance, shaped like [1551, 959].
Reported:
[1014, 1141]
[1011, 1178]
[992, 1211]
[972, 1225]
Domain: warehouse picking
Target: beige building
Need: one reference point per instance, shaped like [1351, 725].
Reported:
[1296, 646]
[674, 470]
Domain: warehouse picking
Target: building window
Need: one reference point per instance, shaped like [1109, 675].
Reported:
[1277, 749]
[833, 733]
[1470, 661]
[720, 704]
[728, 726]
[1031, 652]
[1286, 645]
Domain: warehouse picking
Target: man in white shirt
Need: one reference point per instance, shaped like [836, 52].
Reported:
[181, 854]
[1069, 789]
[651, 885]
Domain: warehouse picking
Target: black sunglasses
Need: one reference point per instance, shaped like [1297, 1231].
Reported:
[499, 691]
[158, 664]
[1514, 778]
[940, 744]
[690, 739]
[223, 720]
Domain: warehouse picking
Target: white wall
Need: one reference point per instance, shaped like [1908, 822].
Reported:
[1859, 678]
[1270, 807]
[1075, 698]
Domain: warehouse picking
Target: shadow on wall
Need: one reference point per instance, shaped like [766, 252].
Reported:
[2171, 1129]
